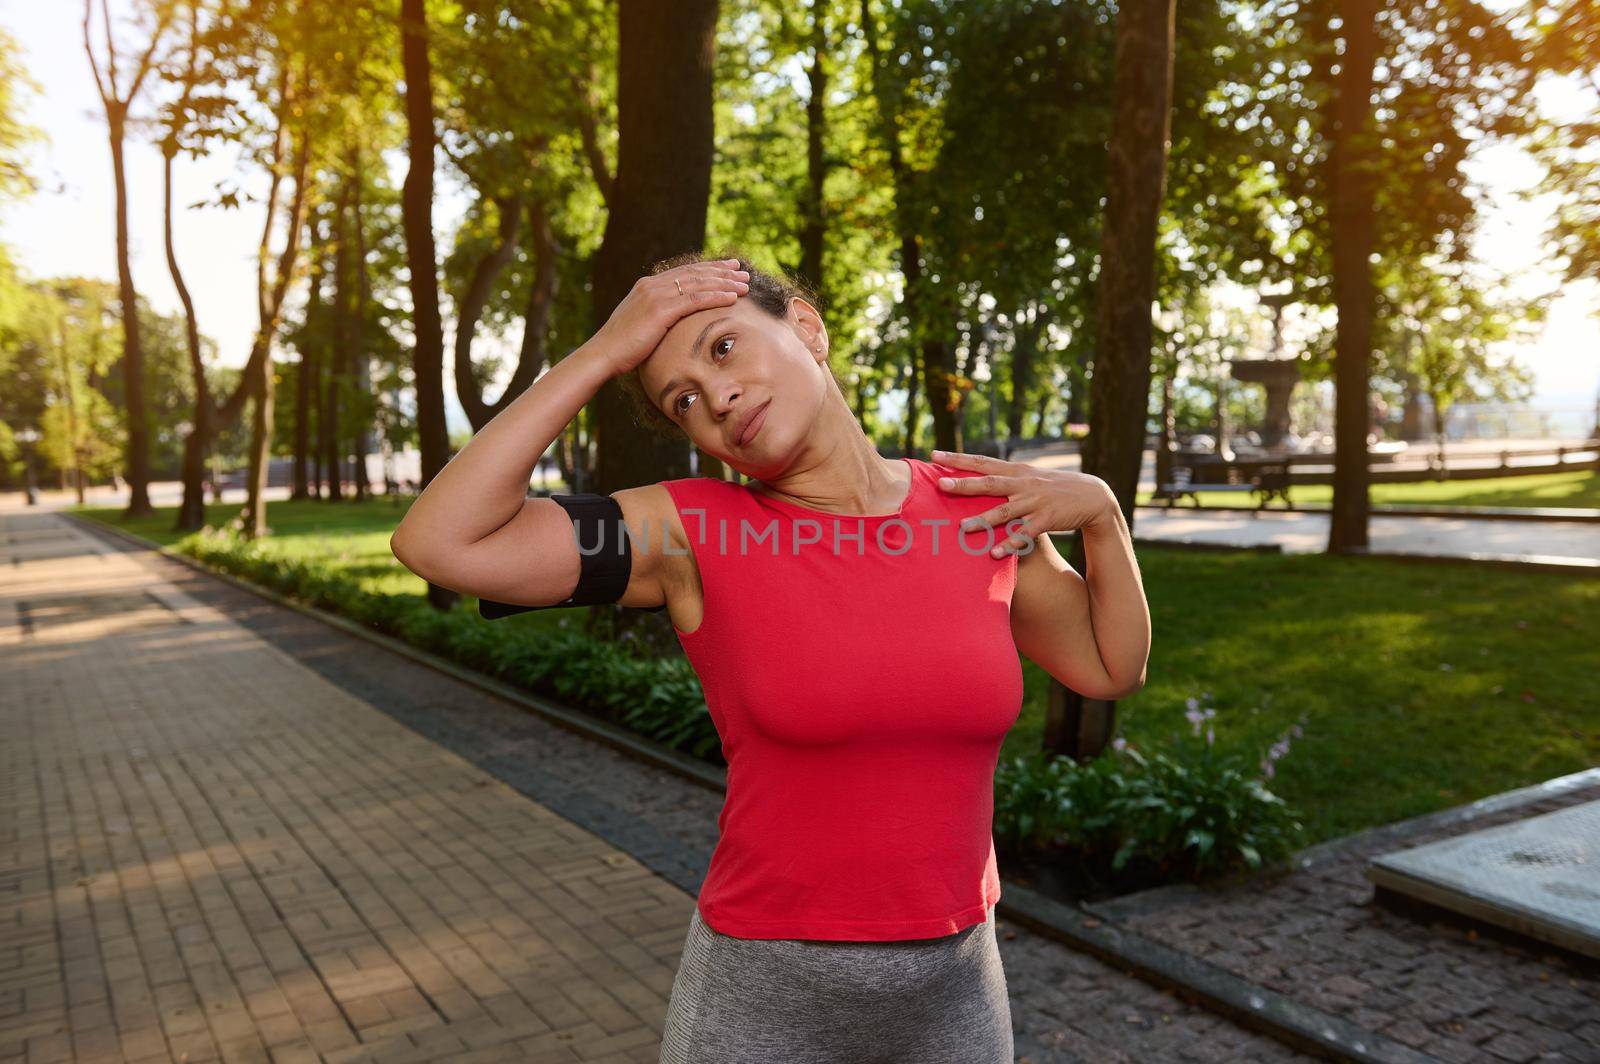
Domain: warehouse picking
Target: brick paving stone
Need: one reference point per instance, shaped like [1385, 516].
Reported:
[255, 837]
[1421, 983]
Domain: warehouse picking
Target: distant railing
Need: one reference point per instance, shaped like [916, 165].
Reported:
[1412, 464]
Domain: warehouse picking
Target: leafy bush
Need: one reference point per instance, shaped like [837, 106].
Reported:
[1126, 819]
[658, 698]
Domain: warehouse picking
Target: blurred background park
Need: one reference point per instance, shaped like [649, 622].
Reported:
[1313, 285]
[268, 263]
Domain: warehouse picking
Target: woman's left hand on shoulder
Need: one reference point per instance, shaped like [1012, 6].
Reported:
[1037, 500]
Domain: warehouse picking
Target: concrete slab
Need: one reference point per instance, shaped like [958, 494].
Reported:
[1539, 877]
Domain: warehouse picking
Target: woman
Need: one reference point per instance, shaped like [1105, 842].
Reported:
[854, 622]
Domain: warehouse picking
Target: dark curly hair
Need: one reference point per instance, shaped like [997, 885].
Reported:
[769, 290]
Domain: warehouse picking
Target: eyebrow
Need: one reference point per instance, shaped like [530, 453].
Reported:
[698, 340]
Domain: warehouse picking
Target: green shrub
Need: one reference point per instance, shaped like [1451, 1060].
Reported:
[1125, 819]
[658, 698]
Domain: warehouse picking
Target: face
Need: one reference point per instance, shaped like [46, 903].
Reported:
[716, 366]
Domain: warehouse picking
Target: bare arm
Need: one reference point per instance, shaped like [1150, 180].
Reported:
[474, 529]
[1092, 634]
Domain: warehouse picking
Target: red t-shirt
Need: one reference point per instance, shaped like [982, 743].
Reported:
[862, 675]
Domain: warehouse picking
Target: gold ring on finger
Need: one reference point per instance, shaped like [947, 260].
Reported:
[679, 284]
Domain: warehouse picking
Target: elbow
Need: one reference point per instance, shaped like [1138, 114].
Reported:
[1133, 686]
[406, 554]
[1128, 689]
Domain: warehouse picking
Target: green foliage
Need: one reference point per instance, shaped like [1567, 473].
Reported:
[16, 135]
[660, 699]
[1185, 812]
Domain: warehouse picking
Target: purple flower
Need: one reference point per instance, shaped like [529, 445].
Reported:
[1119, 743]
[1211, 735]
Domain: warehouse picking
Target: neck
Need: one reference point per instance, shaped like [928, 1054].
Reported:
[846, 475]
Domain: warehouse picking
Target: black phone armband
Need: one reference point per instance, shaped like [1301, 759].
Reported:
[605, 557]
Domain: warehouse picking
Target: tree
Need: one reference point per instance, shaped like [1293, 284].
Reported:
[416, 203]
[17, 136]
[1449, 335]
[522, 107]
[1120, 390]
[285, 45]
[1351, 205]
[198, 115]
[1386, 101]
[927, 305]
[666, 57]
[1569, 45]
[247, 73]
[116, 99]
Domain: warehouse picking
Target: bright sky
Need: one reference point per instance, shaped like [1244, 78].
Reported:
[69, 226]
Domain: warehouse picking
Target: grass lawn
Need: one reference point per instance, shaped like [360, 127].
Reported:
[1578, 487]
[1422, 686]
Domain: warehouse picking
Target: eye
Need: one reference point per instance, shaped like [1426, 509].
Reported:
[677, 404]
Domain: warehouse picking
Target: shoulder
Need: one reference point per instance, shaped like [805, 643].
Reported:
[664, 558]
[935, 470]
[657, 508]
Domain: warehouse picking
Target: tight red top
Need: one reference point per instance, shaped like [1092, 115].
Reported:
[861, 673]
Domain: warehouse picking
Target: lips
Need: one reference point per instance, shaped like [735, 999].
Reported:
[750, 424]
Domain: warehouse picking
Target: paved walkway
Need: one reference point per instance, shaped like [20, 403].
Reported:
[1441, 987]
[230, 831]
[1299, 532]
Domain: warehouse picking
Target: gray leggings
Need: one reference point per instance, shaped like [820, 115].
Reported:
[801, 1001]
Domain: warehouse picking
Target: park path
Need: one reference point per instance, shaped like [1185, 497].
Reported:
[210, 850]
[1298, 531]
[230, 831]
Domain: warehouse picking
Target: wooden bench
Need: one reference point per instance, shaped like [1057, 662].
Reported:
[1273, 482]
[1270, 481]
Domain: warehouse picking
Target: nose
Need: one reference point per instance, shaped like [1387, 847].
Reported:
[726, 394]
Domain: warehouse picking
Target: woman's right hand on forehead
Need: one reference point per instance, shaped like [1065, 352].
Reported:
[650, 310]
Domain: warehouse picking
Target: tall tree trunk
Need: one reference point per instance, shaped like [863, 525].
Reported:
[332, 338]
[814, 210]
[69, 388]
[138, 453]
[253, 518]
[416, 208]
[211, 418]
[1023, 357]
[1441, 411]
[913, 413]
[1167, 433]
[1351, 208]
[1074, 388]
[192, 509]
[325, 388]
[305, 385]
[468, 388]
[666, 65]
[116, 102]
[658, 206]
[1119, 399]
[341, 386]
[535, 316]
[934, 355]
[359, 354]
